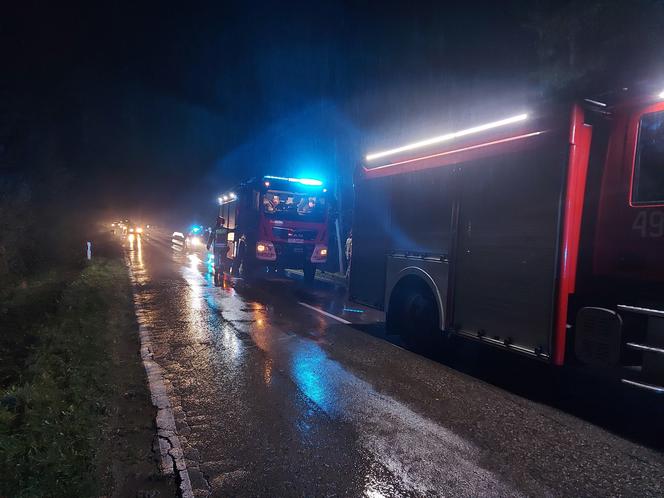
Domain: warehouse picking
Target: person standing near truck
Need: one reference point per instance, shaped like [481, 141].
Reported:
[218, 240]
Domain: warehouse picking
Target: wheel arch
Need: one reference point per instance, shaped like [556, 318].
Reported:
[405, 278]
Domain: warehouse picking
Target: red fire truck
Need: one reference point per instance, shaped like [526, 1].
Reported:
[540, 233]
[277, 222]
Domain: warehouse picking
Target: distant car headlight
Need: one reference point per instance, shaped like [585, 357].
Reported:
[131, 230]
[139, 230]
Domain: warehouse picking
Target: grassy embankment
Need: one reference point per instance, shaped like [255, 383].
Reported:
[75, 413]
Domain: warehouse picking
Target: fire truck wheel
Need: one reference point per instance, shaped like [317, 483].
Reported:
[248, 269]
[309, 272]
[413, 313]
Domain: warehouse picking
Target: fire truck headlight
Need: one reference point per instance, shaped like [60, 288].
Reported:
[319, 255]
[265, 251]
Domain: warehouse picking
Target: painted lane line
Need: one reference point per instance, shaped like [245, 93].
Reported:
[330, 315]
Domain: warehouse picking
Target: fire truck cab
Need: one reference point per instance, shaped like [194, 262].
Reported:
[541, 233]
[277, 222]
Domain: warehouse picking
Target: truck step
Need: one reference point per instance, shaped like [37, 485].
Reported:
[642, 385]
[642, 311]
[645, 347]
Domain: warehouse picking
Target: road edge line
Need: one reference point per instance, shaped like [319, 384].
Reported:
[330, 315]
[170, 449]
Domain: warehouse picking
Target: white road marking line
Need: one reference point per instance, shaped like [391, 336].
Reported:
[330, 315]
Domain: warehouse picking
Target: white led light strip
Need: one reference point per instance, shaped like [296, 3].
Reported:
[448, 136]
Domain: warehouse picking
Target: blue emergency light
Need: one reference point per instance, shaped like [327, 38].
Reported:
[304, 181]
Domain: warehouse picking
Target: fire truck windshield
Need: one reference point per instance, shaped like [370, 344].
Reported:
[294, 206]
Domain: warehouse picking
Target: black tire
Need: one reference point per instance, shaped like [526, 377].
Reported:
[413, 313]
[248, 269]
[309, 271]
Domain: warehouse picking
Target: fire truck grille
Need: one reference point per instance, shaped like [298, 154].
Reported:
[293, 253]
[290, 233]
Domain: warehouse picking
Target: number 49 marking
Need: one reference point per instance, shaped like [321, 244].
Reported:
[649, 224]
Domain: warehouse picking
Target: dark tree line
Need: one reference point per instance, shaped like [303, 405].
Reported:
[597, 44]
[38, 201]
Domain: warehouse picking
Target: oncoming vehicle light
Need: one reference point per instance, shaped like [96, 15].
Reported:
[661, 95]
[448, 136]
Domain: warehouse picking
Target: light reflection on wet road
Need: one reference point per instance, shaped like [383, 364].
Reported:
[273, 399]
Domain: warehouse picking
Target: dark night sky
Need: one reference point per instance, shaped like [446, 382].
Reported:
[157, 107]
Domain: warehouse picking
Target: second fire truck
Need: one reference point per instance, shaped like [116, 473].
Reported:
[275, 223]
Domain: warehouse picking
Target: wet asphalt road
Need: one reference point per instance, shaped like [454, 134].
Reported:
[272, 398]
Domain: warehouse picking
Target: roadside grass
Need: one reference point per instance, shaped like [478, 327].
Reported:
[24, 309]
[61, 396]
